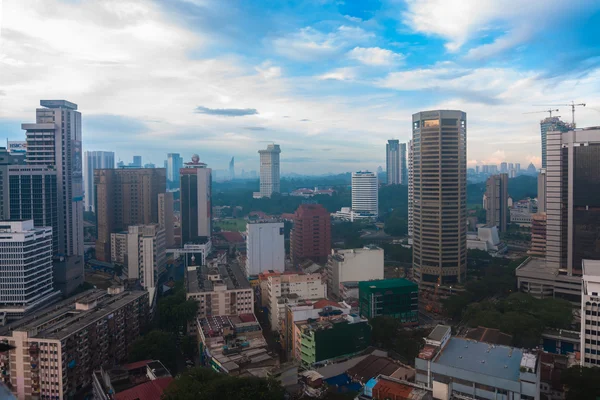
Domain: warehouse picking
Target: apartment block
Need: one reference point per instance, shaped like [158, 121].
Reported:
[58, 348]
[497, 201]
[219, 289]
[590, 314]
[353, 265]
[146, 254]
[289, 289]
[265, 247]
[311, 234]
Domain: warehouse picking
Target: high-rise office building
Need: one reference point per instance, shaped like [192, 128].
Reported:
[365, 194]
[94, 160]
[503, 167]
[166, 218]
[497, 201]
[265, 247]
[25, 268]
[548, 125]
[440, 196]
[146, 254]
[125, 197]
[137, 162]
[54, 140]
[590, 319]
[196, 204]
[232, 168]
[269, 171]
[174, 164]
[392, 162]
[410, 191]
[311, 235]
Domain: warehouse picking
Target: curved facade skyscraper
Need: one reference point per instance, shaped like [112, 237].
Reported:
[439, 160]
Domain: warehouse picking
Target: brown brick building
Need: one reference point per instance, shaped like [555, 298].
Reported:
[125, 197]
[311, 235]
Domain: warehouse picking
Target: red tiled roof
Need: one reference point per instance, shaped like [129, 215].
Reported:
[325, 303]
[137, 364]
[151, 390]
[232, 237]
[247, 317]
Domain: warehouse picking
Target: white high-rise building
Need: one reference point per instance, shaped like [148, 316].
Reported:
[94, 160]
[590, 317]
[410, 191]
[265, 247]
[269, 171]
[55, 140]
[25, 268]
[146, 254]
[365, 194]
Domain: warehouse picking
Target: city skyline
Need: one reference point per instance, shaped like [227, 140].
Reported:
[315, 77]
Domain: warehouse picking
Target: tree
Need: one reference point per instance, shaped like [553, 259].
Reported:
[174, 311]
[396, 224]
[581, 383]
[156, 345]
[205, 384]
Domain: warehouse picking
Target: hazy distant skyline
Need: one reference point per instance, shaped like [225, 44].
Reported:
[329, 81]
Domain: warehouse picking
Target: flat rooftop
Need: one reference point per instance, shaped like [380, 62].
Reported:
[231, 275]
[591, 267]
[482, 358]
[438, 332]
[63, 319]
[389, 284]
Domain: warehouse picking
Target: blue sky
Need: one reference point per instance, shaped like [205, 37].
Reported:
[330, 81]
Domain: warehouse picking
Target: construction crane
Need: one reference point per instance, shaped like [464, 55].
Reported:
[572, 105]
[545, 111]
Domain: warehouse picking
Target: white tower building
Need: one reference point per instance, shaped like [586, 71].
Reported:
[269, 171]
[265, 247]
[365, 194]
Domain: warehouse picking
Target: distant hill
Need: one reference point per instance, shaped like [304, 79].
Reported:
[519, 188]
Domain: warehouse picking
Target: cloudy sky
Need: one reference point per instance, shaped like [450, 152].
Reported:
[328, 80]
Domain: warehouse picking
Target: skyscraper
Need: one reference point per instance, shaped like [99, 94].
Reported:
[547, 125]
[174, 164]
[94, 160]
[503, 167]
[392, 162]
[232, 169]
[403, 166]
[439, 196]
[365, 194]
[125, 197]
[25, 268]
[196, 209]
[54, 140]
[410, 191]
[269, 170]
[497, 201]
[311, 235]
[137, 162]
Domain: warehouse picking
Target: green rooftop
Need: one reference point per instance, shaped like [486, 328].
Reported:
[386, 284]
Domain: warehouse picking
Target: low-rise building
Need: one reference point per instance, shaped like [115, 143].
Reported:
[522, 211]
[353, 265]
[486, 239]
[139, 380]
[396, 298]
[334, 338]
[290, 289]
[543, 280]
[219, 289]
[58, 348]
[463, 367]
[232, 344]
[349, 291]
[389, 388]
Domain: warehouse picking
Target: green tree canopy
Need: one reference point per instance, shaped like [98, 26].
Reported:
[174, 311]
[156, 345]
[581, 383]
[205, 384]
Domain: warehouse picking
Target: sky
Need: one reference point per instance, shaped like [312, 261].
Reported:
[330, 81]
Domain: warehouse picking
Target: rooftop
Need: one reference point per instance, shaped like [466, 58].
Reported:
[437, 334]
[64, 319]
[388, 284]
[231, 276]
[371, 367]
[482, 358]
[591, 268]
[151, 390]
[489, 335]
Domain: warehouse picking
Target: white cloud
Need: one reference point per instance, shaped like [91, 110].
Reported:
[339, 74]
[268, 71]
[458, 21]
[309, 44]
[375, 56]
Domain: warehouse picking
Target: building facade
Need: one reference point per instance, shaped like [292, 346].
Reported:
[174, 164]
[25, 268]
[54, 141]
[265, 247]
[269, 171]
[196, 204]
[146, 254]
[124, 197]
[550, 124]
[396, 162]
[590, 314]
[497, 201]
[353, 265]
[93, 160]
[311, 235]
[58, 348]
[538, 235]
[166, 218]
[395, 298]
[365, 194]
[440, 196]
[410, 191]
